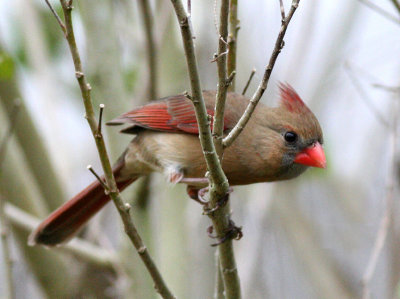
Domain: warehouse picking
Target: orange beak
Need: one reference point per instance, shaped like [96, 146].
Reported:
[313, 156]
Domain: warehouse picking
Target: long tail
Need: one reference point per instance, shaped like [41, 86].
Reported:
[65, 222]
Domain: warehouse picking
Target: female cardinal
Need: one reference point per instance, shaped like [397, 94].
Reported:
[277, 144]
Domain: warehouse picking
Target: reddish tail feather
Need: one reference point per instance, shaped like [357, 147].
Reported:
[66, 221]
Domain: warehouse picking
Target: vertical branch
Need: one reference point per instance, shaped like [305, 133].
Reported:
[124, 210]
[217, 176]
[147, 18]
[8, 263]
[218, 126]
[4, 225]
[227, 265]
[219, 282]
[218, 180]
[232, 39]
[234, 133]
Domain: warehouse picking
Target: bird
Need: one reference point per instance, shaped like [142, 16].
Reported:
[278, 143]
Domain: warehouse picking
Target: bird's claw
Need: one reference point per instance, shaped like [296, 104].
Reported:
[197, 195]
[220, 203]
[233, 232]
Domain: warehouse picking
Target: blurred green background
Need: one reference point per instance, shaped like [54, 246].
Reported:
[308, 238]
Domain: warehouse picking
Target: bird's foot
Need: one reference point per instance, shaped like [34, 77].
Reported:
[220, 203]
[233, 232]
[194, 193]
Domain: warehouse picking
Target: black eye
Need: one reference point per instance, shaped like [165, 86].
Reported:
[290, 137]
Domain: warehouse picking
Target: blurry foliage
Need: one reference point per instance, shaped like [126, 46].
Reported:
[6, 66]
[54, 40]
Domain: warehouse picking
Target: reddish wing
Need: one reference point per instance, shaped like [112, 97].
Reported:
[172, 114]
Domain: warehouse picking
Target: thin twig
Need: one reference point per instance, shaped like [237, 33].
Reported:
[90, 168]
[386, 221]
[282, 9]
[189, 7]
[101, 106]
[394, 89]
[60, 22]
[129, 226]
[253, 71]
[228, 140]
[232, 39]
[380, 11]
[364, 96]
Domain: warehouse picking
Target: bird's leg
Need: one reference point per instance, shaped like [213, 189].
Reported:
[199, 182]
[175, 175]
[233, 232]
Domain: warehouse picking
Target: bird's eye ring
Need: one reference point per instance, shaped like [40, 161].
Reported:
[290, 137]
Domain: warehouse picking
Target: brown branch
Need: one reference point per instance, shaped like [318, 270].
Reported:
[60, 22]
[219, 183]
[228, 140]
[217, 176]
[220, 218]
[218, 126]
[232, 39]
[282, 9]
[85, 88]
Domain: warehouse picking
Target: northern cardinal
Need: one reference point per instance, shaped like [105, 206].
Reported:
[277, 144]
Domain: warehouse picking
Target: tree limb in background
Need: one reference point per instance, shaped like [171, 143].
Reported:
[146, 15]
[381, 11]
[80, 248]
[123, 210]
[396, 4]
[228, 140]
[386, 220]
[4, 225]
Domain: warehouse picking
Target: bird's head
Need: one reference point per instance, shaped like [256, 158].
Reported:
[298, 136]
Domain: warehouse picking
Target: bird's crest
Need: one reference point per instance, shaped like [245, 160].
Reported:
[290, 99]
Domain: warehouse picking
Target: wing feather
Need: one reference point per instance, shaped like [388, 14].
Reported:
[171, 114]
